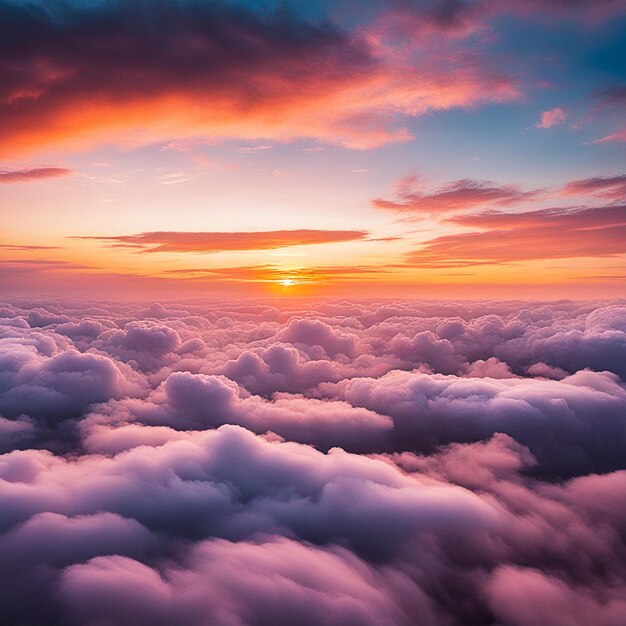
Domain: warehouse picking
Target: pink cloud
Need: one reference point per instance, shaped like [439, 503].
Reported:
[32, 175]
[611, 187]
[618, 136]
[527, 597]
[551, 118]
[454, 196]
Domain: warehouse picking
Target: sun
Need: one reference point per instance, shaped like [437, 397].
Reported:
[287, 282]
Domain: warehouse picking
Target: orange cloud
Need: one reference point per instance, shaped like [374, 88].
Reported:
[545, 234]
[225, 241]
[225, 72]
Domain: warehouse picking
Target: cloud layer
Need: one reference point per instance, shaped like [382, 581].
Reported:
[331, 462]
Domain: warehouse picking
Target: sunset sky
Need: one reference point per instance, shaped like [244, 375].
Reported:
[466, 149]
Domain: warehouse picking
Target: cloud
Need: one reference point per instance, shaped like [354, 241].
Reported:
[59, 540]
[611, 187]
[427, 349]
[60, 386]
[430, 409]
[318, 334]
[551, 118]
[365, 461]
[142, 337]
[259, 71]
[618, 136]
[187, 401]
[52, 382]
[543, 234]
[11, 246]
[32, 175]
[454, 196]
[16, 433]
[220, 242]
[227, 583]
[230, 482]
[278, 367]
[527, 597]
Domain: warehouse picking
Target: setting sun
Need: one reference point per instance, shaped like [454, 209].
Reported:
[287, 282]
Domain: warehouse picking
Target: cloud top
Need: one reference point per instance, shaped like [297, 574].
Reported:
[365, 462]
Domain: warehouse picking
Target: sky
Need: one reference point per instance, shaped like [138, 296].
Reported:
[431, 149]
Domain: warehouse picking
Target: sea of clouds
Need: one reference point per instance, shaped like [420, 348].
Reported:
[313, 463]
